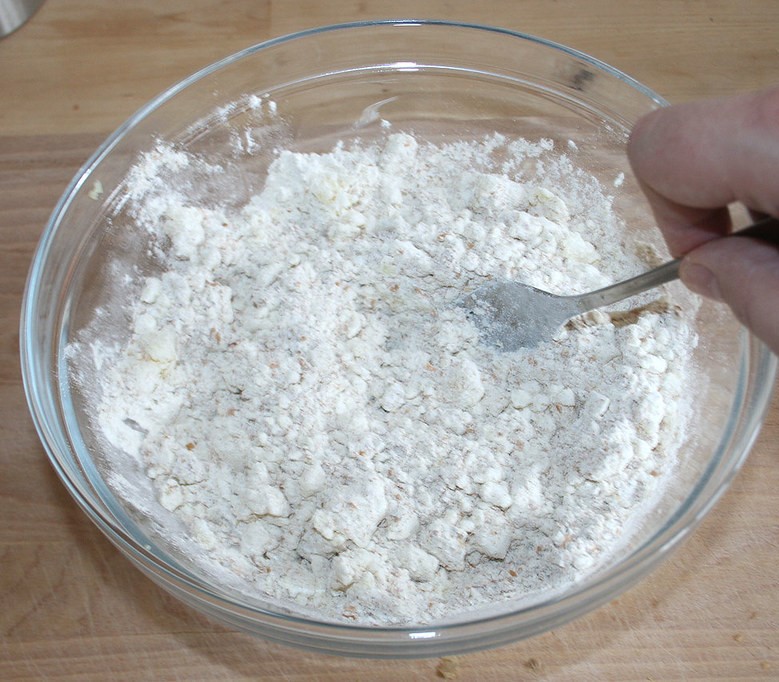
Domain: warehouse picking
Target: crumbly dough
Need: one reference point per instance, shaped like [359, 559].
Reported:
[309, 402]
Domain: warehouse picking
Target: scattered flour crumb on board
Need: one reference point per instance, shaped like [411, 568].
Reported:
[448, 668]
[307, 400]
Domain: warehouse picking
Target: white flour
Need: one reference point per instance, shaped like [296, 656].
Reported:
[308, 400]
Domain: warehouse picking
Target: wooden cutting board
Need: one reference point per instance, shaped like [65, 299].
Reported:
[72, 608]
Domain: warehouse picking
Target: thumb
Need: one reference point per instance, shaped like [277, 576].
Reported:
[744, 273]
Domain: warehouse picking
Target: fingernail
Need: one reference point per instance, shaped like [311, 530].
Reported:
[701, 280]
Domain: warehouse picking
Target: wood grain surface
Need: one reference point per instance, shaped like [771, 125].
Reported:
[72, 608]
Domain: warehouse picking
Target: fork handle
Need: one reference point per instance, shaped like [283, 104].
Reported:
[766, 229]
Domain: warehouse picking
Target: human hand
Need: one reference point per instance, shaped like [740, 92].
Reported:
[693, 160]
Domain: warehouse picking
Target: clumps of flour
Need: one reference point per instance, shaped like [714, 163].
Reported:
[306, 397]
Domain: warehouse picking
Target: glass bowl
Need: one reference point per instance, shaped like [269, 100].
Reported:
[445, 81]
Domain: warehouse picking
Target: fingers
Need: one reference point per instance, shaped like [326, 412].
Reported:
[744, 273]
[694, 159]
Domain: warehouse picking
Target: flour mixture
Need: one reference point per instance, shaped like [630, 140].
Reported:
[308, 401]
